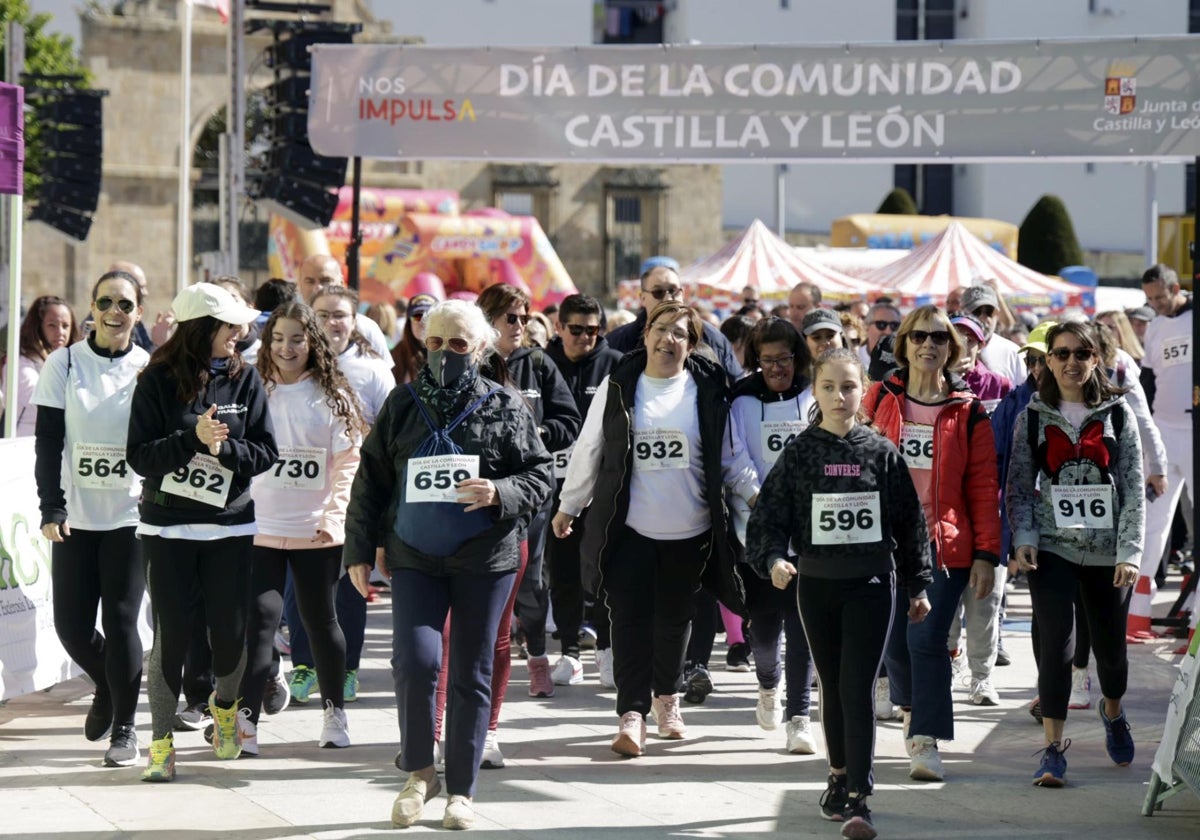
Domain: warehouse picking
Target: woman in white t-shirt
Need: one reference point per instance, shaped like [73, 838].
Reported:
[48, 325]
[88, 496]
[300, 506]
[651, 464]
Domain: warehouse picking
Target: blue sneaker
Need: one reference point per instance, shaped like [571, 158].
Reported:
[1117, 738]
[1053, 770]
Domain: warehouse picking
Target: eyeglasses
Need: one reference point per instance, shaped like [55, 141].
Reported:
[513, 318]
[579, 329]
[456, 345]
[671, 292]
[778, 361]
[884, 326]
[1081, 354]
[940, 337]
[1034, 359]
[124, 304]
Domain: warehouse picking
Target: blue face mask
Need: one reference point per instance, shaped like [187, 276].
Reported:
[448, 367]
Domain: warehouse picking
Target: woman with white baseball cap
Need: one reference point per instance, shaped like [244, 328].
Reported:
[199, 430]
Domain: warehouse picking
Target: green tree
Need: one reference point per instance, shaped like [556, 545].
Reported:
[898, 203]
[1047, 240]
[46, 53]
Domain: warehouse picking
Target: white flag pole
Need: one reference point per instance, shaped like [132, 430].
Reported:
[185, 148]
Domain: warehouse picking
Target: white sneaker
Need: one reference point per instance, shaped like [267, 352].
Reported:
[884, 710]
[334, 730]
[567, 671]
[767, 710]
[249, 733]
[492, 759]
[959, 675]
[799, 736]
[982, 693]
[925, 763]
[1081, 689]
[439, 760]
[604, 661]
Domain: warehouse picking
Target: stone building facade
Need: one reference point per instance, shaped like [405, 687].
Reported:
[601, 219]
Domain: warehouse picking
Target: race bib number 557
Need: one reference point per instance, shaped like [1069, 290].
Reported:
[841, 518]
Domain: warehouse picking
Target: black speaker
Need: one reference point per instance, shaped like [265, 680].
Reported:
[71, 125]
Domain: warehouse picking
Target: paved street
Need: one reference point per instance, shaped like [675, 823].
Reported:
[729, 779]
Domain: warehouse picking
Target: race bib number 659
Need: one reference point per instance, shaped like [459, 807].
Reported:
[433, 479]
[841, 518]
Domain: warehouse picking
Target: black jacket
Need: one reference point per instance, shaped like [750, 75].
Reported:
[820, 462]
[539, 382]
[584, 377]
[628, 338]
[501, 432]
[162, 438]
[610, 496]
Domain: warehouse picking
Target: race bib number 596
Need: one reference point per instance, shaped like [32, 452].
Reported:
[841, 518]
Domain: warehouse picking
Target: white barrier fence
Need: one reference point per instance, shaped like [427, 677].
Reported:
[31, 657]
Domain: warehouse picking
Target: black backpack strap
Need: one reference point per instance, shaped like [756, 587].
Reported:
[468, 411]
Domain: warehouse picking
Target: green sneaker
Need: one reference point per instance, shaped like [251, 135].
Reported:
[227, 738]
[350, 691]
[304, 680]
[161, 767]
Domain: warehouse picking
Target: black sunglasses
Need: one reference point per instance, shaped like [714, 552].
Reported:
[668, 292]
[124, 304]
[1033, 359]
[940, 337]
[884, 326]
[579, 329]
[1081, 354]
[513, 318]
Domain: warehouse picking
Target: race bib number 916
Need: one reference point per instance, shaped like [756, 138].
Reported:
[843, 518]
[1082, 505]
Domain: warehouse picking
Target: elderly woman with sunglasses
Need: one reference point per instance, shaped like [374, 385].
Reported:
[451, 470]
[943, 432]
[1076, 502]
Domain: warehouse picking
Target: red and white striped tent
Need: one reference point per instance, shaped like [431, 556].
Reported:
[760, 259]
[955, 258]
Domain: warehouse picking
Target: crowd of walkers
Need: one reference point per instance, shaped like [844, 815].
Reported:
[847, 489]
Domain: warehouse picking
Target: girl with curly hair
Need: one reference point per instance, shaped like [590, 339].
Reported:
[301, 505]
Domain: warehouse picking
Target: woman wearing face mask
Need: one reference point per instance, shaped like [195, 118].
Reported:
[652, 462]
[453, 466]
[49, 324]
[301, 507]
[770, 408]
[370, 378]
[89, 508]
[199, 430]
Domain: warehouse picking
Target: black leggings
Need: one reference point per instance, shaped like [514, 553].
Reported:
[102, 568]
[221, 569]
[315, 579]
[846, 623]
[1052, 588]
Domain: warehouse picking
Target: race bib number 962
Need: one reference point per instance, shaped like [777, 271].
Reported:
[841, 518]
[202, 479]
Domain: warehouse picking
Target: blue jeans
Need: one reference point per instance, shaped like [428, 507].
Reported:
[420, 603]
[918, 665]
